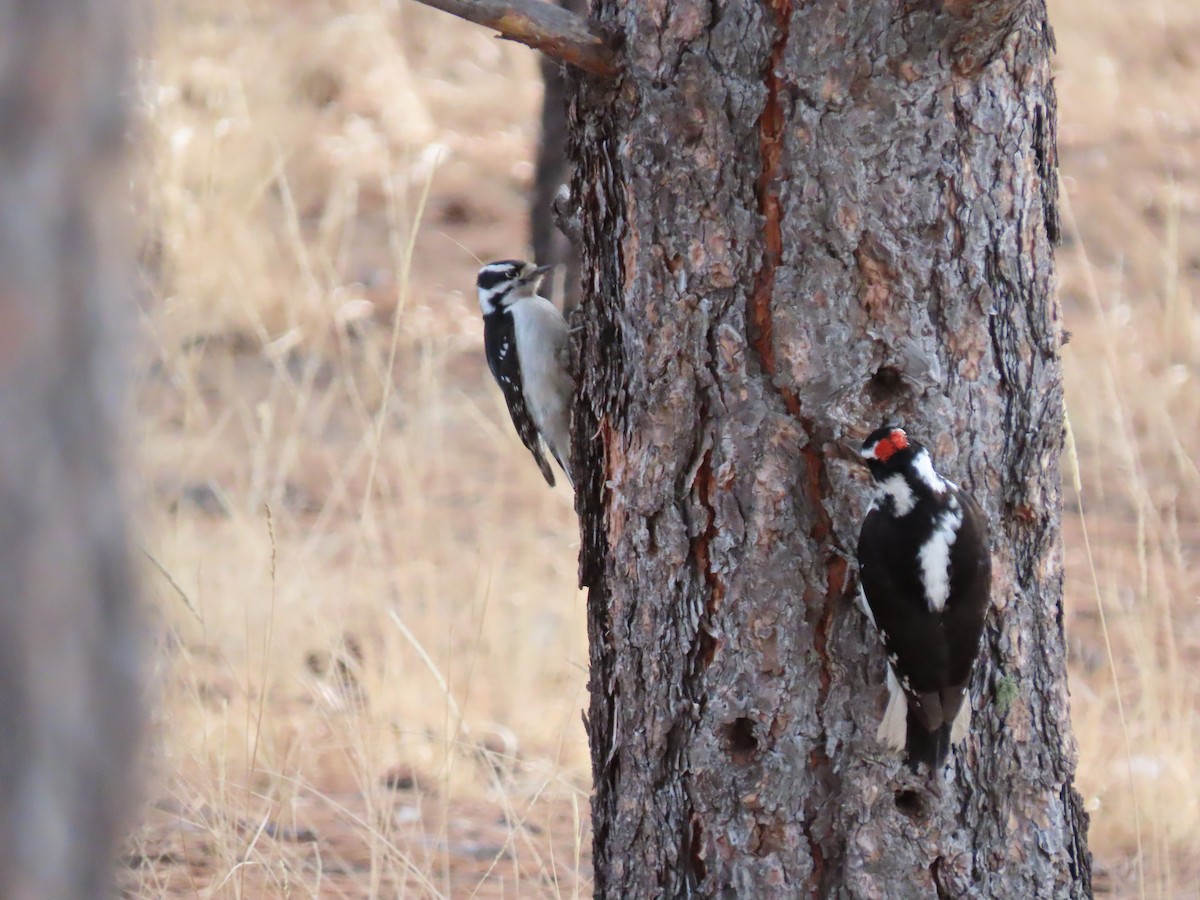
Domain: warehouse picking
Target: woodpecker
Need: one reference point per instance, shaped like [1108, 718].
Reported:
[528, 350]
[925, 571]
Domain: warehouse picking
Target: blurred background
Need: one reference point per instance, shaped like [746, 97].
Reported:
[369, 652]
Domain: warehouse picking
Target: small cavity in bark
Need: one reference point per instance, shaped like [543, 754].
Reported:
[740, 742]
[886, 384]
[910, 803]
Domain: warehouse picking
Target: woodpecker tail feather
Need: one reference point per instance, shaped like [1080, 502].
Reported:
[924, 746]
[547, 472]
[566, 469]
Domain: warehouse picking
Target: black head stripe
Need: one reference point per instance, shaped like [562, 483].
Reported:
[498, 272]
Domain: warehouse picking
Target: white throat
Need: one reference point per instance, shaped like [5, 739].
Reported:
[896, 488]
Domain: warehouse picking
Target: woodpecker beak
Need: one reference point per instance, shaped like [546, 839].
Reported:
[852, 452]
[853, 437]
[843, 451]
[536, 273]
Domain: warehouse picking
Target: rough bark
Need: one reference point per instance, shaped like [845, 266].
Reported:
[69, 692]
[801, 220]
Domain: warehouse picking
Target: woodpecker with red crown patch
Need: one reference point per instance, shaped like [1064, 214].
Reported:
[925, 570]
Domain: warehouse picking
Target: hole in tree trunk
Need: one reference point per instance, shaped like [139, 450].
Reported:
[885, 384]
[740, 742]
[699, 869]
[909, 803]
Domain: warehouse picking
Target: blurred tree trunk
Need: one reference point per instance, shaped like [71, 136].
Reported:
[69, 692]
[550, 245]
[802, 220]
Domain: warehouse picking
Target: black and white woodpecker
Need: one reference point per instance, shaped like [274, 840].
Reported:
[925, 569]
[528, 350]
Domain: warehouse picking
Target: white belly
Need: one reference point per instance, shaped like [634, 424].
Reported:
[542, 342]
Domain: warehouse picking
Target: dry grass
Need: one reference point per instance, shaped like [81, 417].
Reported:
[357, 690]
[1130, 279]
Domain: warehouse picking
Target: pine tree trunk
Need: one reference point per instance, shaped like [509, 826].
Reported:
[802, 220]
[550, 245]
[69, 691]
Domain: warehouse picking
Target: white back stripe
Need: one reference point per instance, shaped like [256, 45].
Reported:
[923, 466]
[935, 556]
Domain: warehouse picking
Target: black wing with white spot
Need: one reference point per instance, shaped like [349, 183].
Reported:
[932, 652]
[912, 633]
[499, 341]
